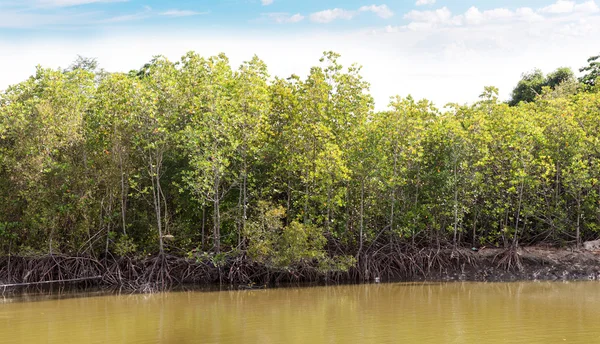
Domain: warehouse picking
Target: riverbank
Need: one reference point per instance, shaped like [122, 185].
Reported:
[534, 263]
[167, 272]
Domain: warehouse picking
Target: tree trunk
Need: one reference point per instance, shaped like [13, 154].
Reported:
[362, 214]
[516, 235]
[123, 194]
[578, 234]
[216, 214]
[155, 172]
[203, 224]
[455, 204]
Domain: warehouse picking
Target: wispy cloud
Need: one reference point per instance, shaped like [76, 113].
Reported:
[424, 2]
[443, 17]
[266, 2]
[329, 15]
[21, 15]
[181, 13]
[567, 6]
[55, 13]
[560, 6]
[21, 20]
[146, 13]
[69, 3]
[381, 11]
[283, 17]
[440, 54]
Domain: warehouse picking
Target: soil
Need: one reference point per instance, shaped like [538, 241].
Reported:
[536, 263]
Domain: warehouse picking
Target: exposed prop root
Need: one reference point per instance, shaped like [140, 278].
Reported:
[387, 262]
[510, 259]
[394, 262]
[152, 274]
[50, 269]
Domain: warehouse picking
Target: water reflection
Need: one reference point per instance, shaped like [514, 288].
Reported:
[383, 313]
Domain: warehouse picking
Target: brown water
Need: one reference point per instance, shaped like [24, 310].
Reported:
[385, 313]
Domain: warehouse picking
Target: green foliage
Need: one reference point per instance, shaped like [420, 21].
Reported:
[532, 84]
[591, 72]
[336, 264]
[262, 233]
[299, 243]
[269, 241]
[292, 171]
[559, 76]
[125, 246]
[83, 63]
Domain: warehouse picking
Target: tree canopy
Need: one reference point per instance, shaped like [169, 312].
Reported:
[591, 71]
[202, 159]
[532, 84]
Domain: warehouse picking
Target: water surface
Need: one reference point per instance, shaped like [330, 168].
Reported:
[383, 313]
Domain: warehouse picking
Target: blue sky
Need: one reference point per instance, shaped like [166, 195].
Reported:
[443, 50]
[40, 16]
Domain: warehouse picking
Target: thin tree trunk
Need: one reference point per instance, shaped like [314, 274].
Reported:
[123, 194]
[245, 196]
[155, 177]
[328, 208]
[203, 223]
[240, 212]
[306, 196]
[455, 204]
[216, 214]
[289, 202]
[393, 191]
[578, 234]
[516, 236]
[474, 229]
[362, 214]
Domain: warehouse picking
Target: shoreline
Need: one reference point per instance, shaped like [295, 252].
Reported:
[164, 273]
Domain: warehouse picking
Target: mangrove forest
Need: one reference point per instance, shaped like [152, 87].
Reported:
[195, 171]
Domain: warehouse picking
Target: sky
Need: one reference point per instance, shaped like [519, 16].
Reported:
[441, 50]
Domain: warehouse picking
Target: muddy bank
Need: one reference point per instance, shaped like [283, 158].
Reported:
[528, 264]
[167, 272]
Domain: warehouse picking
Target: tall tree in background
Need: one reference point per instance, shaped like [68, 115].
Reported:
[156, 120]
[592, 71]
[531, 84]
[250, 95]
[208, 137]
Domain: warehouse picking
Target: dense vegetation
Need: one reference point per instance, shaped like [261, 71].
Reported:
[196, 159]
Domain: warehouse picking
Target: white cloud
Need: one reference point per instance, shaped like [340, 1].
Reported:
[442, 16]
[382, 10]
[569, 6]
[327, 16]
[528, 14]
[147, 12]
[266, 2]
[448, 65]
[561, 6]
[442, 56]
[20, 20]
[69, 3]
[580, 28]
[181, 13]
[283, 17]
[424, 2]
[587, 7]
[474, 16]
